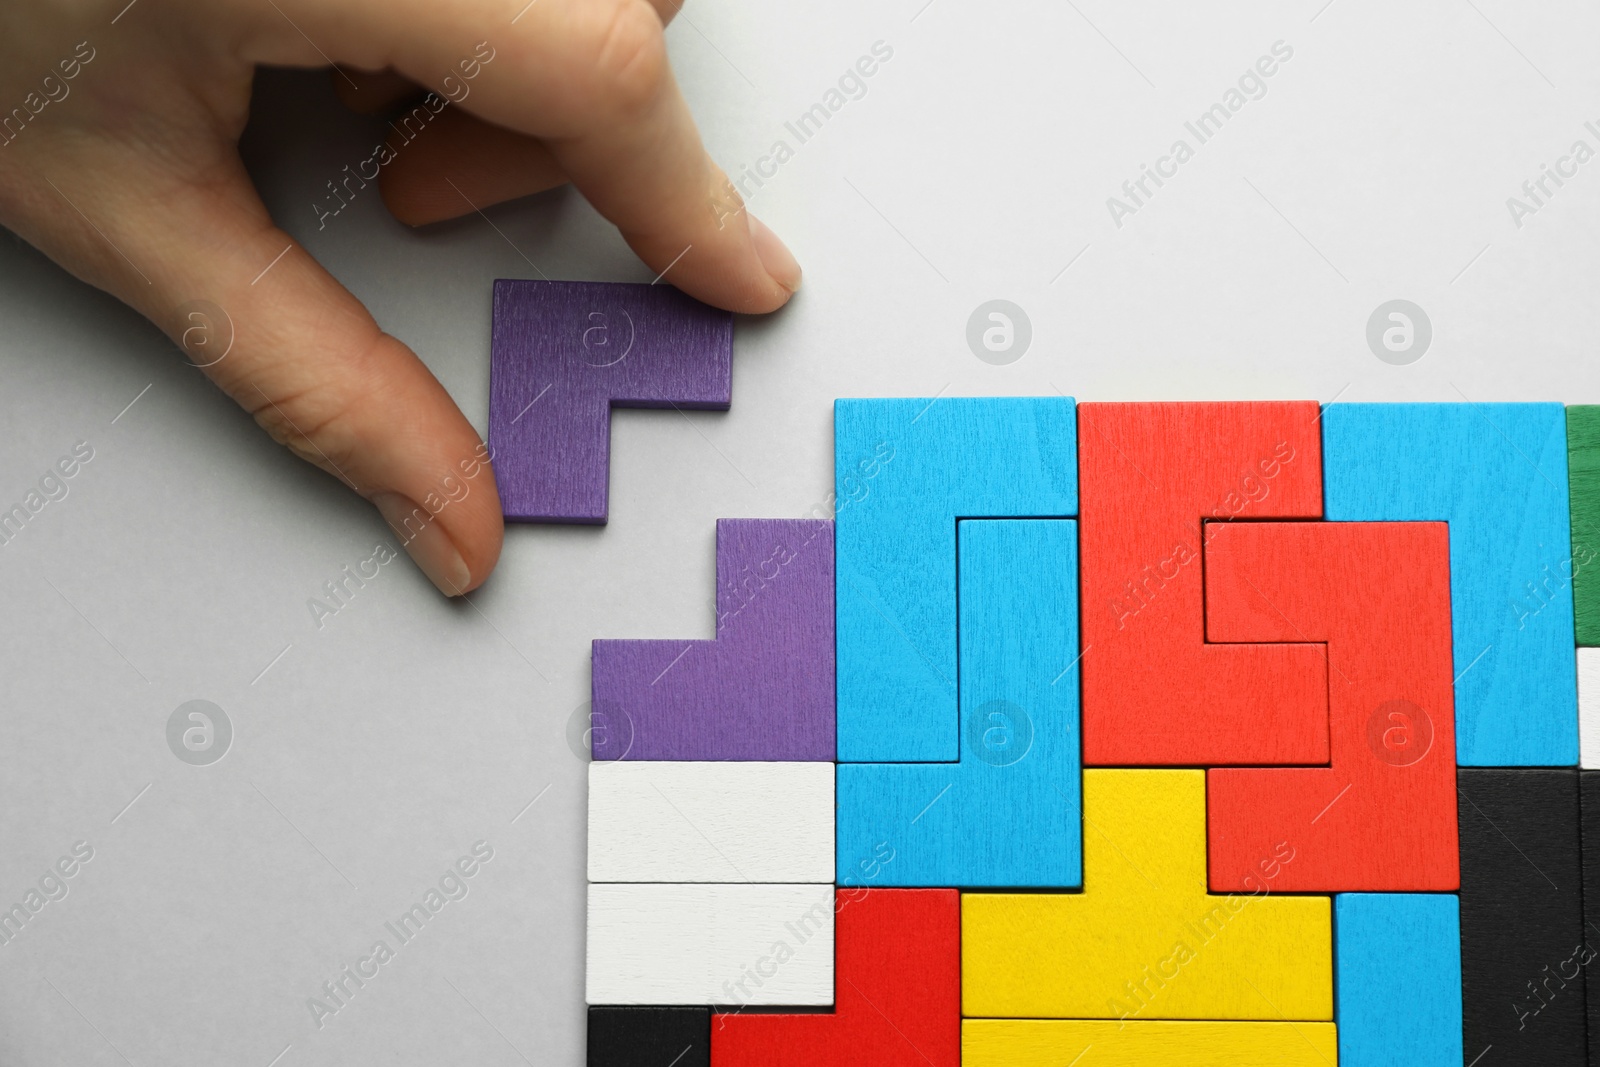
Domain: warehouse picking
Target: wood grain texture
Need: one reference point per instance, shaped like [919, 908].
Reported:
[1583, 466]
[1589, 708]
[899, 1000]
[1144, 940]
[1154, 691]
[904, 472]
[562, 355]
[1589, 808]
[1522, 936]
[1069, 1042]
[710, 822]
[762, 689]
[649, 1037]
[1006, 814]
[1382, 816]
[1497, 473]
[655, 943]
[1397, 979]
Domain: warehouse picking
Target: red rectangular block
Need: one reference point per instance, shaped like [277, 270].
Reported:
[1382, 815]
[897, 992]
[1154, 691]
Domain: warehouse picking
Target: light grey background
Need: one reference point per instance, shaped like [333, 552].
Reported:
[370, 754]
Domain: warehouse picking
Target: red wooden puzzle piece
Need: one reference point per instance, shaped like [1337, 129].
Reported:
[1382, 816]
[1154, 692]
[897, 992]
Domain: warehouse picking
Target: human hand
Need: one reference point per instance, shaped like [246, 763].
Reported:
[118, 159]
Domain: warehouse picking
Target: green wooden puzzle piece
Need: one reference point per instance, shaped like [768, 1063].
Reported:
[1583, 471]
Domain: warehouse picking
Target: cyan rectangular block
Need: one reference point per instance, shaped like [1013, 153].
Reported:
[1007, 813]
[905, 471]
[1497, 473]
[1397, 979]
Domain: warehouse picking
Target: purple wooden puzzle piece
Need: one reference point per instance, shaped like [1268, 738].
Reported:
[762, 689]
[562, 355]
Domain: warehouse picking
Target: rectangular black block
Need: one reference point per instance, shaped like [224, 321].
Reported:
[1589, 788]
[1523, 953]
[630, 1036]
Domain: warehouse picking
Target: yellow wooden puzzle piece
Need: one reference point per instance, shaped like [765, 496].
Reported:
[1144, 940]
[1103, 1043]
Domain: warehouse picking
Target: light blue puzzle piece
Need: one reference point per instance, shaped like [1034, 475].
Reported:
[1397, 979]
[905, 471]
[1497, 473]
[1007, 814]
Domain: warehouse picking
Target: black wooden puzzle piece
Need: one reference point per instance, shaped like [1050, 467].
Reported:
[1589, 788]
[632, 1036]
[1523, 951]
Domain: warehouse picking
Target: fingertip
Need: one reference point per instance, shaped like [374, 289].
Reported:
[433, 546]
[425, 542]
[483, 553]
[740, 266]
[779, 262]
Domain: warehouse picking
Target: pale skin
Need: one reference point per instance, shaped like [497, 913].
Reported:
[131, 180]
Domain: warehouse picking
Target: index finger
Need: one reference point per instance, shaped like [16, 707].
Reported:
[591, 79]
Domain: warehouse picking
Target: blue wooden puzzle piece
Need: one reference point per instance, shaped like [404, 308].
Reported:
[1007, 814]
[1397, 979]
[905, 471]
[1497, 473]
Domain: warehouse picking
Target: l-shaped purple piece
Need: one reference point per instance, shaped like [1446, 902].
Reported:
[562, 355]
[763, 689]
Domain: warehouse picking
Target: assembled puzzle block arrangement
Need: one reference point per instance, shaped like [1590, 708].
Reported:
[562, 355]
[1316, 800]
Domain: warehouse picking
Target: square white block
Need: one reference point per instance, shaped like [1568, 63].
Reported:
[710, 822]
[1589, 708]
[654, 943]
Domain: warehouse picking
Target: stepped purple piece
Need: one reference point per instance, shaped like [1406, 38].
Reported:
[762, 690]
[562, 354]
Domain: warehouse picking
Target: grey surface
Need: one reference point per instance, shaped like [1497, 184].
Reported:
[378, 749]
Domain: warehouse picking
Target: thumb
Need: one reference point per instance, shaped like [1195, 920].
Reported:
[291, 345]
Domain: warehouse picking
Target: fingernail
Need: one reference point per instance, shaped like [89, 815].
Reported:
[425, 541]
[777, 258]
